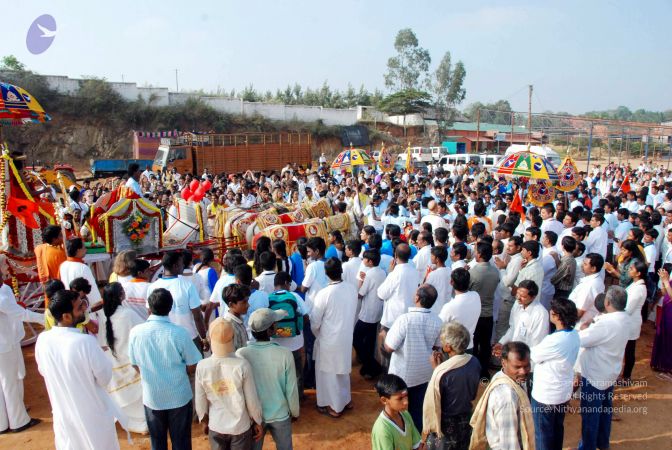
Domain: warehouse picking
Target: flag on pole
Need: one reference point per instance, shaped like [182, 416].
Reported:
[625, 186]
[408, 159]
[517, 203]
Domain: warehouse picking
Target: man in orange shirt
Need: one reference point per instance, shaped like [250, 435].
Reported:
[50, 254]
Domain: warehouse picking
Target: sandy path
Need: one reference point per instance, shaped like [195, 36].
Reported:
[645, 427]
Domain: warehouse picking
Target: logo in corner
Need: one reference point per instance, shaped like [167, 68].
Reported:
[41, 34]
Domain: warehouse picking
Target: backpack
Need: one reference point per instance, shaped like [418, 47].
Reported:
[292, 324]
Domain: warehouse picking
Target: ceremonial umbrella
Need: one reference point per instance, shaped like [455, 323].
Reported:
[528, 165]
[385, 160]
[17, 106]
[350, 158]
[568, 175]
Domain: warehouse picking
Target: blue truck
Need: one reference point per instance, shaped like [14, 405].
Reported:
[116, 167]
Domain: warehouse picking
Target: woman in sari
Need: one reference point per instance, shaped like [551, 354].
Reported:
[629, 253]
[661, 355]
[124, 387]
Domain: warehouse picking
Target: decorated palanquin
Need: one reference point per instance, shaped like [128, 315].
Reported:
[291, 232]
[23, 216]
[125, 221]
[187, 227]
[243, 225]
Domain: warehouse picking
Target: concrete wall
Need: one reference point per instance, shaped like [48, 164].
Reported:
[163, 97]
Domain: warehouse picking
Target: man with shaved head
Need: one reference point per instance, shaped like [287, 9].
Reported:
[434, 218]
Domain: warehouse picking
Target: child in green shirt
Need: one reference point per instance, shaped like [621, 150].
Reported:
[394, 428]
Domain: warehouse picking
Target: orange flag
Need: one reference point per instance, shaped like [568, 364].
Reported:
[23, 210]
[625, 187]
[517, 203]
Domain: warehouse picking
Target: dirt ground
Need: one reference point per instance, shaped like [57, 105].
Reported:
[643, 423]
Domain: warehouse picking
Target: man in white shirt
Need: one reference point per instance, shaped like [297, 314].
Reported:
[439, 277]
[465, 308]
[529, 319]
[554, 358]
[508, 272]
[13, 415]
[76, 372]
[600, 363]
[597, 240]
[423, 258]
[583, 295]
[75, 267]
[398, 289]
[369, 315]
[549, 262]
[433, 217]
[550, 223]
[374, 213]
[332, 321]
[351, 267]
[134, 178]
[410, 341]
[624, 225]
[186, 310]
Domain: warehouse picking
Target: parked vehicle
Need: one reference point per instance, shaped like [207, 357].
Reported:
[450, 162]
[116, 167]
[423, 154]
[417, 165]
[232, 152]
[438, 152]
[489, 161]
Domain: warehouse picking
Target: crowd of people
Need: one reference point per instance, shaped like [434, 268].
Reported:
[453, 283]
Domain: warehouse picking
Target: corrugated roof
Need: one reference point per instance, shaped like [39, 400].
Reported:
[472, 126]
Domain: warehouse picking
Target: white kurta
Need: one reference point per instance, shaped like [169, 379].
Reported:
[440, 279]
[12, 370]
[125, 387]
[423, 260]
[77, 373]
[69, 270]
[332, 321]
[398, 292]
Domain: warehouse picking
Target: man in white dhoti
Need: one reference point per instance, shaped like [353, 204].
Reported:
[13, 415]
[332, 320]
[76, 373]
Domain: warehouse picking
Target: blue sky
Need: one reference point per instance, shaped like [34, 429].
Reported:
[579, 55]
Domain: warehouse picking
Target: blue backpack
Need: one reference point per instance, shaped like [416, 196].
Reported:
[292, 324]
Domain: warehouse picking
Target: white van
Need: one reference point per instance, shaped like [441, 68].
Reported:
[438, 152]
[490, 161]
[423, 154]
[450, 162]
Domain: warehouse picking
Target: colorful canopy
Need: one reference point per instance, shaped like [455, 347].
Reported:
[526, 164]
[350, 158]
[568, 175]
[17, 106]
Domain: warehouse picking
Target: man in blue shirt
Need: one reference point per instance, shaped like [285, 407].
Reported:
[164, 354]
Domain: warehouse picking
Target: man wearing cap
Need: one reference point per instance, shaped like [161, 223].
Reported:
[332, 320]
[226, 398]
[274, 377]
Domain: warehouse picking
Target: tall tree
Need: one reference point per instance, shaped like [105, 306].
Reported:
[409, 101]
[448, 89]
[409, 69]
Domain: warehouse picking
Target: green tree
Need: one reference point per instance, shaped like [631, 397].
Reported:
[409, 69]
[498, 112]
[11, 62]
[409, 101]
[448, 89]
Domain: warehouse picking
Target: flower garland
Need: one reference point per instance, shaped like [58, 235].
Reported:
[137, 227]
